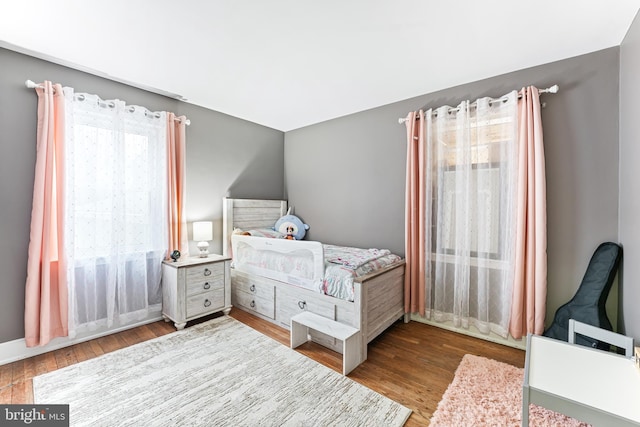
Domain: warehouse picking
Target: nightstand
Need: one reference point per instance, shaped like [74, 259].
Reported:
[194, 287]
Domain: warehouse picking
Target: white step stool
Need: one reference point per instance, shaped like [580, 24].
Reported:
[350, 336]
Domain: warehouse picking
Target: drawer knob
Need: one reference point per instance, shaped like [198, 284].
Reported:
[253, 304]
[302, 304]
[252, 288]
[207, 272]
[207, 303]
[206, 285]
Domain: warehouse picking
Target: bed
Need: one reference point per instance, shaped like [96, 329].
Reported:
[373, 302]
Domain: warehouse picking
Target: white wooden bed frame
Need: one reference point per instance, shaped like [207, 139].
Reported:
[379, 296]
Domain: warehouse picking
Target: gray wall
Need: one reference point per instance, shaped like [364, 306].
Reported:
[225, 155]
[346, 176]
[630, 177]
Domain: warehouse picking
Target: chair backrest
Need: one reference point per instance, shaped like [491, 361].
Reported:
[599, 334]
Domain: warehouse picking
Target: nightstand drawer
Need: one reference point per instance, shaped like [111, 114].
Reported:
[203, 272]
[205, 303]
[204, 285]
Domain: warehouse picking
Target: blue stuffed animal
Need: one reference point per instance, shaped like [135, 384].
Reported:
[291, 226]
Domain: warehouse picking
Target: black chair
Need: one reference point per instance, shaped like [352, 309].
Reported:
[588, 304]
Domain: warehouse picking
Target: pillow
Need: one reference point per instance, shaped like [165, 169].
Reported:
[292, 227]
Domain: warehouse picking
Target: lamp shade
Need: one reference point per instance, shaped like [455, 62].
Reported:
[202, 231]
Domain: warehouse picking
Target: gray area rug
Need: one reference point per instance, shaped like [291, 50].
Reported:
[218, 373]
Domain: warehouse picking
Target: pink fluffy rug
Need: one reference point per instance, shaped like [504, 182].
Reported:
[486, 392]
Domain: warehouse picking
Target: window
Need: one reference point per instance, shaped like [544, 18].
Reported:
[473, 186]
[482, 211]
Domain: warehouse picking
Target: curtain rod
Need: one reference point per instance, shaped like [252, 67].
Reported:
[551, 89]
[32, 85]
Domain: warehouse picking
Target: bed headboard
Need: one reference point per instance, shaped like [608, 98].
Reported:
[249, 214]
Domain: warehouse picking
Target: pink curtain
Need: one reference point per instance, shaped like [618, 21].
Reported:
[530, 280]
[176, 158]
[414, 279]
[46, 303]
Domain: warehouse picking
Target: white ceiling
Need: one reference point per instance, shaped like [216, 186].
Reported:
[291, 63]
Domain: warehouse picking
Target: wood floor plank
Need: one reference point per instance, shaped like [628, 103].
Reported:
[65, 357]
[45, 363]
[410, 363]
[109, 343]
[161, 328]
[6, 375]
[96, 348]
[83, 351]
[5, 394]
[146, 333]
[29, 368]
[21, 392]
[130, 337]
[18, 371]
[120, 340]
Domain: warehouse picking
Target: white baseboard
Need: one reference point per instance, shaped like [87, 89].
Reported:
[12, 351]
[474, 332]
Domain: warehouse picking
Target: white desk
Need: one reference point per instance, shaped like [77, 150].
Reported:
[590, 385]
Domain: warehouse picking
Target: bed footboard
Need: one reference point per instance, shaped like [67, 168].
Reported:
[382, 300]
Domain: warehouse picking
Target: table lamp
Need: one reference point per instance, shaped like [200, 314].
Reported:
[202, 233]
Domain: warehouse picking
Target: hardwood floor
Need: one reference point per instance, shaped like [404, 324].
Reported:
[410, 363]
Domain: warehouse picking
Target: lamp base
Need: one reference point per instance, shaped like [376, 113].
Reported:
[204, 249]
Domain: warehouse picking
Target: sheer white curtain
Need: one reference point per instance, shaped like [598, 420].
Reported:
[116, 210]
[470, 193]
